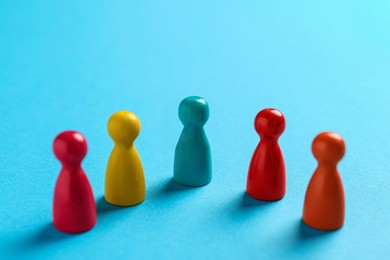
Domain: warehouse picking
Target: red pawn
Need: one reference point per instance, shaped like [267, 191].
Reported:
[267, 172]
[74, 209]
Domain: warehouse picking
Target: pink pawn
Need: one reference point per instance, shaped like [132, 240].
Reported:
[74, 209]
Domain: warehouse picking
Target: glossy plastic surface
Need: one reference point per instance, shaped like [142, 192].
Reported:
[74, 209]
[124, 182]
[267, 172]
[72, 64]
[324, 206]
[192, 165]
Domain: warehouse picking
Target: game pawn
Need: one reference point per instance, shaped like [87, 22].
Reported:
[74, 209]
[125, 181]
[267, 173]
[192, 163]
[324, 206]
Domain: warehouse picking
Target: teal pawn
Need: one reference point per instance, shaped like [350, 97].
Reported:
[192, 166]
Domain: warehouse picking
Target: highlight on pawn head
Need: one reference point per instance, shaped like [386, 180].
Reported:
[194, 111]
[124, 127]
[70, 147]
[270, 122]
[328, 147]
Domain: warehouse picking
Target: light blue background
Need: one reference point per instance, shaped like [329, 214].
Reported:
[70, 65]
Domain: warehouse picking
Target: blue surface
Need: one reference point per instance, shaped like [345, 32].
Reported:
[71, 65]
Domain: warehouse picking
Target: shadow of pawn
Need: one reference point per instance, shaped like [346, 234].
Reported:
[306, 233]
[103, 207]
[49, 233]
[247, 201]
[173, 186]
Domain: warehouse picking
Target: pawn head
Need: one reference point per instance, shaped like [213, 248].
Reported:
[194, 111]
[70, 147]
[270, 122]
[328, 147]
[124, 127]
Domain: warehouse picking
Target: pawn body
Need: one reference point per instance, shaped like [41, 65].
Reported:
[324, 206]
[74, 209]
[192, 163]
[267, 173]
[124, 181]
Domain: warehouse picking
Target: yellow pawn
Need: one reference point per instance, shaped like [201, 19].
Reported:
[125, 182]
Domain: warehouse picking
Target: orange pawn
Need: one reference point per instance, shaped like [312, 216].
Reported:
[324, 206]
